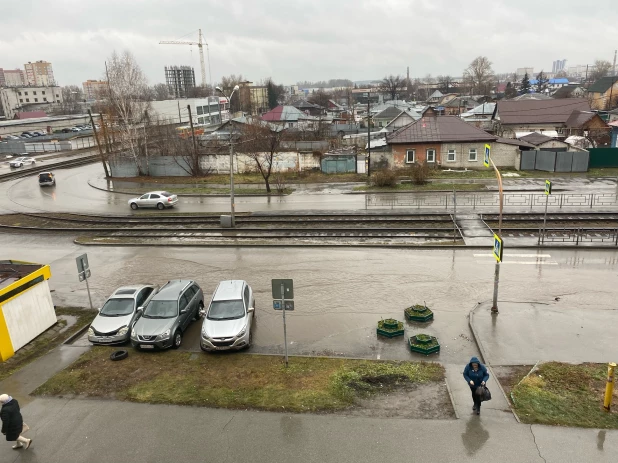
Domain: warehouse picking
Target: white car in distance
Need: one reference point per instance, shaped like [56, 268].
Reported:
[21, 161]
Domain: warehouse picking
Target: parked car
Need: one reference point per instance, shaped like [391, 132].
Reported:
[117, 316]
[47, 179]
[229, 318]
[25, 136]
[75, 129]
[28, 133]
[21, 161]
[38, 134]
[158, 199]
[11, 137]
[66, 130]
[167, 315]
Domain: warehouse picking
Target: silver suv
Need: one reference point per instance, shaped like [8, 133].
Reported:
[230, 315]
[167, 315]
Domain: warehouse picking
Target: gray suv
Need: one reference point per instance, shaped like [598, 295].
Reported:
[167, 315]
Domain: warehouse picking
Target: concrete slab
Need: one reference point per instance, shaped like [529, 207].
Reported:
[526, 332]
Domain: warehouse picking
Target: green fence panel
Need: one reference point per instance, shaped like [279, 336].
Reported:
[603, 157]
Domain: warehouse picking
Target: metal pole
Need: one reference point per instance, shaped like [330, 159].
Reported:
[368, 136]
[454, 213]
[494, 307]
[232, 183]
[285, 334]
[88, 288]
[545, 219]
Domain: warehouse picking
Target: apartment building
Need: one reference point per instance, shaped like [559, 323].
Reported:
[39, 73]
[12, 78]
[94, 89]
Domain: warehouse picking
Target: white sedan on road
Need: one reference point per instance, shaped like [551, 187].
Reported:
[20, 162]
[158, 199]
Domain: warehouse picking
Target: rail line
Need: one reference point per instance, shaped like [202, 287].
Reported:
[52, 166]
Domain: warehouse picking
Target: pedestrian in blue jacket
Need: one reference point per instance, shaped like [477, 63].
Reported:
[476, 376]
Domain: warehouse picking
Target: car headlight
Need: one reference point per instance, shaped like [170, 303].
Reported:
[205, 335]
[164, 335]
[133, 333]
[90, 332]
[242, 332]
[122, 331]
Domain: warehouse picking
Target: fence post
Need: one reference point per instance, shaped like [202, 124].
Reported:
[577, 237]
[365, 201]
[531, 200]
[591, 199]
[473, 201]
[561, 195]
[616, 237]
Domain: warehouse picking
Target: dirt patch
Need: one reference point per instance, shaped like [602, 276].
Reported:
[510, 375]
[419, 401]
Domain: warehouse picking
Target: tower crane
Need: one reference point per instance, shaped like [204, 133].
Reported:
[200, 45]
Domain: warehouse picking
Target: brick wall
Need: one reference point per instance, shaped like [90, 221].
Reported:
[399, 153]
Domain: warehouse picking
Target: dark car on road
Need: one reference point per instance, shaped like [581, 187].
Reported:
[168, 315]
[47, 179]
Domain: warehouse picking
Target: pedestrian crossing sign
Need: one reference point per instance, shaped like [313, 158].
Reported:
[497, 248]
[547, 187]
[487, 151]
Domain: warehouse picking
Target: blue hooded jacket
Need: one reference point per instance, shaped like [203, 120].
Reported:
[477, 376]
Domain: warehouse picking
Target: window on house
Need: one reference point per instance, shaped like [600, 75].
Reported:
[34, 93]
[19, 93]
[472, 154]
[57, 96]
[410, 156]
[200, 110]
[27, 100]
[44, 99]
[290, 124]
[450, 156]
[200, 120]
[21, 100]
[43, 92]
[26, 93]
[36, 100]
[431, 155]
[380, 124]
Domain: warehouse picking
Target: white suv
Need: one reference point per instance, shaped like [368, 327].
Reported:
[229, 318]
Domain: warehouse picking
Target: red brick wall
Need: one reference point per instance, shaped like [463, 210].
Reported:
[399, 153]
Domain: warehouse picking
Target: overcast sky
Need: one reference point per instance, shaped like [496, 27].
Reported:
[294, 40]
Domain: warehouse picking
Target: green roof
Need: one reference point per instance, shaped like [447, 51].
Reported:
[603, 84]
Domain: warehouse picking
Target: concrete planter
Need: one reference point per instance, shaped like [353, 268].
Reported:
[390, 328]
[418, 313]
[424, 344]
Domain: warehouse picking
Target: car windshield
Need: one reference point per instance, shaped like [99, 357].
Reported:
[161, 309]
[117, 307]
[44, 177]
[226, 310]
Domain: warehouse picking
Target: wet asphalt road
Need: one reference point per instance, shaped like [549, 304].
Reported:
[340, 293]
[73, 194]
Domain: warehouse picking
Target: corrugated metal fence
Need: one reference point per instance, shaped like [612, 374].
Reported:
[555, 161]
[603, 157]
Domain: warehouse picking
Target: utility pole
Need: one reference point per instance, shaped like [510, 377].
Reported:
[494, 307]
[368, 135]
[192, 131]
[96, 137]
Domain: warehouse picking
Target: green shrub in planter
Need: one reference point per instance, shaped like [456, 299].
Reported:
[390, 328]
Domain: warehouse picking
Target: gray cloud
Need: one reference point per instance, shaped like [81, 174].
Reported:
[307, 39]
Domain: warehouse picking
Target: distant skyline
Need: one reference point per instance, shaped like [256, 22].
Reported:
[308, 40]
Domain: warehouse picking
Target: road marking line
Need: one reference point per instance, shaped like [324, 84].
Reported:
[514, 255]
[521, 262]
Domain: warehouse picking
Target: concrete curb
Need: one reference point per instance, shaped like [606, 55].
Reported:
[71, 339]
[191, 195]
[450, 394]
[477, 340]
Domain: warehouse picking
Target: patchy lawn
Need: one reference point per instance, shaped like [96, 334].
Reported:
[565, 395]
[238, 380]
[46, 341]
[426, 187]
[215, 191]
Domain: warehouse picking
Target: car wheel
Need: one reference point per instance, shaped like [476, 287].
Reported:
[160, 206]
[198, 315]
[134, 206]
[177, 339]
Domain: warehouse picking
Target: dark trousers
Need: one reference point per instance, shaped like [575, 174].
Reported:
[475, 398]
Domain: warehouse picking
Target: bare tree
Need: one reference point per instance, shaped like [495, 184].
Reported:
[127, 103]
[227, 85]
[165, 140]
[510, 91]
[445, 83]
[161, 92]
[261, 142]
[392, 85]
[320, 98]
[601, 69]
[72, 100]
[542, 82]
[479, 76]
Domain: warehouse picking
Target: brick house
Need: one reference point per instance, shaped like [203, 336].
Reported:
[601, 91]
[449, 142]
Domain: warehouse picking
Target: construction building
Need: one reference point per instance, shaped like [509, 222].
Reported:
[39, 74]
[180, 80]
[18, 99]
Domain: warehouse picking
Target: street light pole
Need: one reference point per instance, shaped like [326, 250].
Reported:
[494, 307]
[232, 205]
